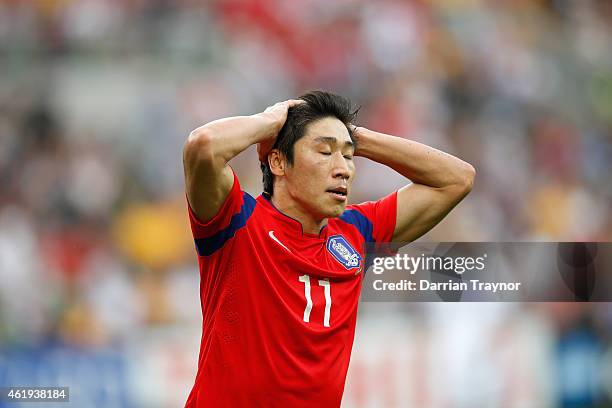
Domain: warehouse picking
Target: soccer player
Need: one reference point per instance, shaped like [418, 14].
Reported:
[280, 274]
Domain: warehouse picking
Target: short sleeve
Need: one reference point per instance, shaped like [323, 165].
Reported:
[375, 219]
[222, 219]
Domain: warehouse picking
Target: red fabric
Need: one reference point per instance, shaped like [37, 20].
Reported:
[256, 347]
[222, 219]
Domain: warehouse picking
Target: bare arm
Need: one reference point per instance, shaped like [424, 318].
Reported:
[439, 180]
[208, 178]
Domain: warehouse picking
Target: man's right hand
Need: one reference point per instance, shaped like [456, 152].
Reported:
[278, 114]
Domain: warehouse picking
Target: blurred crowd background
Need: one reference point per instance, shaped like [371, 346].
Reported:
[98, 274]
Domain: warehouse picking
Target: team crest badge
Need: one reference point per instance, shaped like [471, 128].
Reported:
[343, 252]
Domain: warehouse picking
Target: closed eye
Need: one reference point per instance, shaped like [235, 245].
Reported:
[348, 157]
[326, 153]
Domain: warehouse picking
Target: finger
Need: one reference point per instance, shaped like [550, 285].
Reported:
[275, 106]
[295, 102]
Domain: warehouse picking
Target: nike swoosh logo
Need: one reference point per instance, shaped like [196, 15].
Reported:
[271, 234]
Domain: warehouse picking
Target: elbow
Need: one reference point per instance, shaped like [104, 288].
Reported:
[198, 146]
[467, 178]
[463, 180]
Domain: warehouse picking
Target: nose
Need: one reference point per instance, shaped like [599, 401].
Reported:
[340, 167]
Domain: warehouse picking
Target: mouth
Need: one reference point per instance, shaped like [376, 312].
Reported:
[338, 193]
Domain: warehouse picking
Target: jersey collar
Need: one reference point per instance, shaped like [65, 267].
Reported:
[291, 223]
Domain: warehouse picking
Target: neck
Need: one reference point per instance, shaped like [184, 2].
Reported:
[289, 206]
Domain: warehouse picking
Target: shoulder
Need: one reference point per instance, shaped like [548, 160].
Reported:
[232, 217]
[374, 220]
[356, 218]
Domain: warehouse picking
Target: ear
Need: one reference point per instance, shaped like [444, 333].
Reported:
[277, 162]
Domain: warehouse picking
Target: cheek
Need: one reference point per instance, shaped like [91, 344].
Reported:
[306, 178]
[320, 162]
[315, 170]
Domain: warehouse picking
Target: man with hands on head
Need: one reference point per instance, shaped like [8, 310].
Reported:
[281, 273]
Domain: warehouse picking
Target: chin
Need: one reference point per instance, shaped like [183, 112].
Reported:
[330, 209]
[335, 211]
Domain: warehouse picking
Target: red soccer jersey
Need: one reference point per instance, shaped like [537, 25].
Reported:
[279, 306]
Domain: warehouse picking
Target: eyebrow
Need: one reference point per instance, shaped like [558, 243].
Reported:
[331, 139]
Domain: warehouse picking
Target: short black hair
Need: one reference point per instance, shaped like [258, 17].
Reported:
[319, 105]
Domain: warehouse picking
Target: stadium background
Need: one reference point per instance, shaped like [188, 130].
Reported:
[98, 280]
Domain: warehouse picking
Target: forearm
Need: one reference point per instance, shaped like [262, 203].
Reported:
[226, 138]
[419, 163]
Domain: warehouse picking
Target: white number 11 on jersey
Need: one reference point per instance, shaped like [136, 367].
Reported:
[328, 302]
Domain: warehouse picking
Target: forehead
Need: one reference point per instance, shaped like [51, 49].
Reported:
[327, 127]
